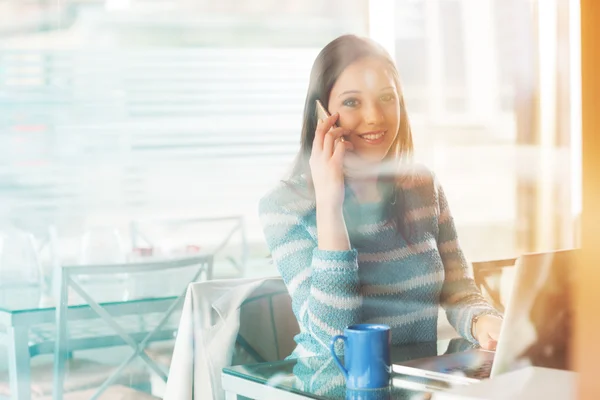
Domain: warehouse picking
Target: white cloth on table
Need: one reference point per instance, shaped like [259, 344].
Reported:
[214, 314]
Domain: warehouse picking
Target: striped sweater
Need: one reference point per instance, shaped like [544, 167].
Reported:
[383, 278]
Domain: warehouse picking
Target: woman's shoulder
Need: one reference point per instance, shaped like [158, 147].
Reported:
[418, 177]
[421, 187]
[291, 196]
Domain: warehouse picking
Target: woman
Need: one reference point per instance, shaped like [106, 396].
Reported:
[359, 233]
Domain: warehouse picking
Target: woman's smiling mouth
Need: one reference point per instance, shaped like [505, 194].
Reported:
[374, 137]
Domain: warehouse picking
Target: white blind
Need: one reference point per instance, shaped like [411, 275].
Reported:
[116, 134]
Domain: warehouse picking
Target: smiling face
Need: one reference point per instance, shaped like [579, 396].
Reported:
[367, 98]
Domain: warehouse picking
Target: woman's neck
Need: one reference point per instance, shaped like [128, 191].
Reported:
[365, 190]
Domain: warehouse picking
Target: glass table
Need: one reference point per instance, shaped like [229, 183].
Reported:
[319, 378]
[28, 321]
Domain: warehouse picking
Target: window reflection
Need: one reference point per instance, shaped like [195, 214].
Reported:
[122, 110]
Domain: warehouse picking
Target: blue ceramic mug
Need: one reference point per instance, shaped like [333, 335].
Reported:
[366, 356]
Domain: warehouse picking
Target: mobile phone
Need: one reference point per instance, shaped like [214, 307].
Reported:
[322, 112]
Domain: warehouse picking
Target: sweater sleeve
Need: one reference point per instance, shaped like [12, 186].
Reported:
[460, 297]
[323, 285]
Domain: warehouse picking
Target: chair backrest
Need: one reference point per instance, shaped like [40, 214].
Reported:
[267, 325]
[108, 309]
[490, 278]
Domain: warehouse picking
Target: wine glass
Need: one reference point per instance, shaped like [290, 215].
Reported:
[19, 266]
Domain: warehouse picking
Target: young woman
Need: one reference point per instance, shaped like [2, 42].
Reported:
[358, 232]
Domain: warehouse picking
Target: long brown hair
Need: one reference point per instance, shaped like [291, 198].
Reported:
[333, 59]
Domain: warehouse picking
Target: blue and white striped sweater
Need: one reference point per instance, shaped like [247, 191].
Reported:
[383, 279]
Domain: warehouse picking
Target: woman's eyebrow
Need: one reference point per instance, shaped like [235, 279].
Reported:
[358, 91]
[348, 92]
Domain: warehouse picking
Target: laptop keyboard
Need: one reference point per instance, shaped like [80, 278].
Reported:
[482, 371]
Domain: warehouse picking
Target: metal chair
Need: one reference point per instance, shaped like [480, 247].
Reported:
[109, 311]
[200, 231]
[488, 275]
[268, 312]
[25, 257]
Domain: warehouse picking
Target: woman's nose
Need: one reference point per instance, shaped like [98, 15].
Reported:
[373, 114]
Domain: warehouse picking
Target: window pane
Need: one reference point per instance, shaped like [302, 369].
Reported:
[481, 120]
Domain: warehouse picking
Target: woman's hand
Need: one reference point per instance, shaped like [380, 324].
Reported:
[327, 163]
[486, 329]
[327, 169]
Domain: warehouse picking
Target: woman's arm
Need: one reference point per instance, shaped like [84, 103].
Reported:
[460, 296]
[332, 233]
[321, 279]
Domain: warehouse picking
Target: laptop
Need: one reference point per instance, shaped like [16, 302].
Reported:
[535, 331]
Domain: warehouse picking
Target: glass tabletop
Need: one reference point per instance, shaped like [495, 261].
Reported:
[28, 299]
[319, 377]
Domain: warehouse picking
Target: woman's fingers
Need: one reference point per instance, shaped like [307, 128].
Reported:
[319, 135]
[340, 150]
[347, 143]
[488, 343]
[323, 126]
[331, 138]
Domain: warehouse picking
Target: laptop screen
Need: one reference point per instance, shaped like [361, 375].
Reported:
[537, 322]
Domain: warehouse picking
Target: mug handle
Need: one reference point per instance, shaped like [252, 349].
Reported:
[335, 357]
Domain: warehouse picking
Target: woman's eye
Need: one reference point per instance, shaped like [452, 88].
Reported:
[350, 102]
[387, 97]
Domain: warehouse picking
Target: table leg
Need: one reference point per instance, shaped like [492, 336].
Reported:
[19, 363]
[209, 271]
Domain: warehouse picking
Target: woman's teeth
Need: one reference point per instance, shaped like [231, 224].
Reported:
[372, 136]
